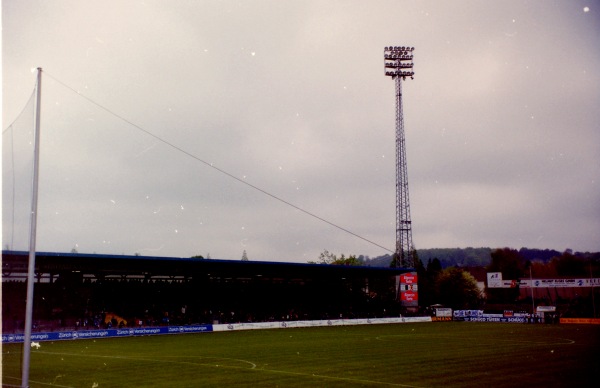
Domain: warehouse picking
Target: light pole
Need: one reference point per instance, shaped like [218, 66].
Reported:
[32, 239]
[592, 288]
[531, 287]
[399, 65]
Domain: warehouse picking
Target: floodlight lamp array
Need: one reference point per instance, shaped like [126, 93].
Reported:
[399, 56]
[397, 59]
[399, 48]
[398, 65]
[403, 74]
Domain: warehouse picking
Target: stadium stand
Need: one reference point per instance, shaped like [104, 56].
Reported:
[87, 291]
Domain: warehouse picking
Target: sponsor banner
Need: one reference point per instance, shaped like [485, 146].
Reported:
[591, 282]
[441, 319]
[245, 326]
[409, 289]
[129, 332]
[409, 296]
[589, 321]
[443, 312]
[409, 278]
[506, 284]
[494, 279]
[318, 323]
[489, 315]
[545, 309]
[187, 329]
[492, 319]
[557, 283]
[92, 334]
[468, 313]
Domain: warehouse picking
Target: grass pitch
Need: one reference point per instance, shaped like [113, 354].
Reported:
[449, 354]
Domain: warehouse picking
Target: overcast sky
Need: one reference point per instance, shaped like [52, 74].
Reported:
[502, 125]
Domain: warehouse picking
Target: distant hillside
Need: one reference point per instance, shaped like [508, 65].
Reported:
[379, 261]
[538, 254]
[470, 257]
[448, 257]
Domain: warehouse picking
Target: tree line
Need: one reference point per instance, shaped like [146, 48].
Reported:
[474, 257]
[445, 274]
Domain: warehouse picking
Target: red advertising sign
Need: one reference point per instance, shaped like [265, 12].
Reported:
[408, 289]
[408, 278]
[409, 296]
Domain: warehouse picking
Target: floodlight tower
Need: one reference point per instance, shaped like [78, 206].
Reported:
[399, 65]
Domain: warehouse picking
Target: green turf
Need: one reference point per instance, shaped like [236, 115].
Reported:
[449, 354]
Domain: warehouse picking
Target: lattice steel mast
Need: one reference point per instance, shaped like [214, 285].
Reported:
[399, 65]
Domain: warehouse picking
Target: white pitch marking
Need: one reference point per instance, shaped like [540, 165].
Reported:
[253, 365]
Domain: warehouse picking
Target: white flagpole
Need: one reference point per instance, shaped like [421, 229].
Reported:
[32, 239]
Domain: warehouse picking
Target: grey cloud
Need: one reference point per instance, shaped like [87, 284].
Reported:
[291, 97]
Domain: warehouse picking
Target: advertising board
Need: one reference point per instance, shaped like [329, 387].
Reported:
[494, 279]
[408, 278]
[559, 283]
[585, 321]
[89, 334]
[108, 333]
[443, 312]
[409, 289]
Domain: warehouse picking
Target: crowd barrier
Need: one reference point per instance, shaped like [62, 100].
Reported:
[317, 323]
[133, 332]
[108, 333]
